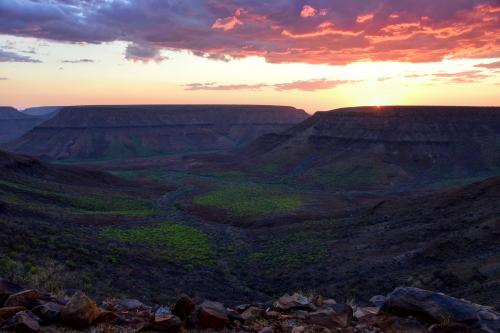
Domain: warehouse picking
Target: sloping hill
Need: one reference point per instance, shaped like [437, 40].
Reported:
[367, 147]
[47, 111]
[107, 132]
[13, 123]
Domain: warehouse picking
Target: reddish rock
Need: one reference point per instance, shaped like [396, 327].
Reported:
[22, 322]
[106, 316]
[212, 315]
[184, 307]
[23, 298]
[6, 313]
[80, 311]
[335, 316]
[166, 323]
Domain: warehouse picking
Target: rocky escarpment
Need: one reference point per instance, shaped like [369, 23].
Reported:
[14, 124]
[99, 132]
[368, 147]
[408, 310]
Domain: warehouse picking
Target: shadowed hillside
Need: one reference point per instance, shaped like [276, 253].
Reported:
[107, 132]
[13, 123]
[369, 148]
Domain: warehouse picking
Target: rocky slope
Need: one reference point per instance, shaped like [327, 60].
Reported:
[405, 310]
[14, 124]
[368, 147]
[107, 132]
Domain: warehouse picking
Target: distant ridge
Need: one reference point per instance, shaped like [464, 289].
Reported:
[373, 147]
[124, 131]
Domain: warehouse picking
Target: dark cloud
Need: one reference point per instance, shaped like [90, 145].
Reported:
[77, 61]
[8, 56]
[3, 79]
[144, 53]
[317, 31]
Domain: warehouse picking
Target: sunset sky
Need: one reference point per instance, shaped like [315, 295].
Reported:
[315, 54]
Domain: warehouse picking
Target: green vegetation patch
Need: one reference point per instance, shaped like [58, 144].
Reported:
[250, 199]
[292, 250]
[184, 243]
[346, 175]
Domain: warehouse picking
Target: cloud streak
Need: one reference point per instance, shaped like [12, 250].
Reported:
[317, 32]
[78, 61]
[303, 85]
[8, 56]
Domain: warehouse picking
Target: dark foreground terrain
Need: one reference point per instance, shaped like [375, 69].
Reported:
[69, 228]
[405, 310]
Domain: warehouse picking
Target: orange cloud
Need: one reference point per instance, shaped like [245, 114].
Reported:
[308, 11]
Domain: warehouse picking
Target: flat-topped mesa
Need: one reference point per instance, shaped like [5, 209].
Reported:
[404, 123]
[379, 146]
[102, 132]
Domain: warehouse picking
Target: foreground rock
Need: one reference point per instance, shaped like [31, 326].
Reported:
[212, 315]
[80, 311]
[24, 322]
[405, 310]
[23, 298]
[435, 307]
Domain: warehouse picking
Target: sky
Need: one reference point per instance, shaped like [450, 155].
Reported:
[313, 54]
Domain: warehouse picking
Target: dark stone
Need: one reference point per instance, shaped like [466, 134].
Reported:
[212, 315]
[22, 322]
[184, 307]
[334, 316]
[435, 307]
[48, 313]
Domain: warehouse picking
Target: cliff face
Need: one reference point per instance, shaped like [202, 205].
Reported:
[131, 131]
[14, 124]
[390, 144]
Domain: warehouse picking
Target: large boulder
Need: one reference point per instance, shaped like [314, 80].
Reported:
[434, 307]
[184, 307]
[6, 289]
[212, 315]
[332, 317]
[80, 311]
[22, 322]
[293, 302]
[24, 298]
